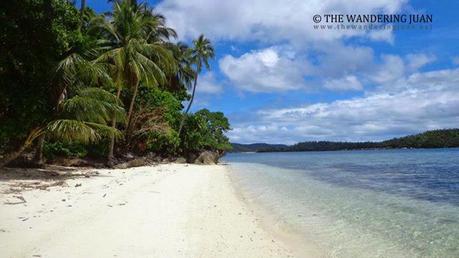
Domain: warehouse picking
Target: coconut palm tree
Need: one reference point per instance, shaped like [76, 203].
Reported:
[136, 51]
[201, 53]
[183, 78]
[75, 70]
[83, 118]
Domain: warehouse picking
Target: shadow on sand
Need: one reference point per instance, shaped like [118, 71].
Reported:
[19, 179]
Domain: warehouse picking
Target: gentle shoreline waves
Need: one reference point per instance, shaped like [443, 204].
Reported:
[400, 203]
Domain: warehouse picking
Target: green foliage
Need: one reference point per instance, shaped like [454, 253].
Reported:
[60, 149]
[182, 80]
[72, 76]
[98, 149]
[53, 149]
[164, 139]
[205, 130]
[85, 117]
[154, 98]
[34, 35]
[202, 52]
[165, 143]
[200, 55]
[94, 105]
[430, 139]
[136, 53]
[446, 138]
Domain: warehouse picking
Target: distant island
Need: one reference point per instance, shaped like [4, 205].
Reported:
[445, 138]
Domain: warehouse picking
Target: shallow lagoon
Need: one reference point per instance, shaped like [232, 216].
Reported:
[378, 203]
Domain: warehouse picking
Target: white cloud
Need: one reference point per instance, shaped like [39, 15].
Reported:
[390, 70]
[399, 97]
[382, 35]
[394, 68]
[336, 67]
[337, 60]
[267, 20]
[448, 79]
[272, 22]
[207, 84]
[416, 61]
[264, 70]
[349, 82]
[428, 101]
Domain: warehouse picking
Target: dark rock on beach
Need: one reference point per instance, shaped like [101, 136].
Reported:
[207, 158]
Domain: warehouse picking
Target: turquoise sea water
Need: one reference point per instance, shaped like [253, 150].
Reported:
[378, 203]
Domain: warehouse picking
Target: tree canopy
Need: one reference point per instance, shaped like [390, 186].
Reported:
[445, 138]
[77, 80]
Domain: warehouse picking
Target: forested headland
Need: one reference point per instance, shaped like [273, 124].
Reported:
[446, 138]
[80, 84]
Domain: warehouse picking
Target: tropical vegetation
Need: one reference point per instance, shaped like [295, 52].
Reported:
[444, 138]
[77, 83]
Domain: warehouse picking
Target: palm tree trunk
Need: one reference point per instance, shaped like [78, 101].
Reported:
[83, 5]
[131, 109]
[34, 133]
[189, 105]
[13, 155]
[38, 159]
[112, 137]
[192, 94]
[111, 147]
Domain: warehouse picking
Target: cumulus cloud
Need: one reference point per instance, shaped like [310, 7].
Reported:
[416, 61]
[267, 20]
[337, 60]
[399, 96]
[208, 84]
[430, 101]
[391, 69]
[349, 82]
[273, 23]
[264, 70]
[336, 67]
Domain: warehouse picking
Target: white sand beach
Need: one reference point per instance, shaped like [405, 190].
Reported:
[170, 210]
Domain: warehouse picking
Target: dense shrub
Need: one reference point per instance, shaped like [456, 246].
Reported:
[205, 130]
[61, 149]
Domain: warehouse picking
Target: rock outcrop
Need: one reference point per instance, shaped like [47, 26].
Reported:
[180, 160]
[207, 158]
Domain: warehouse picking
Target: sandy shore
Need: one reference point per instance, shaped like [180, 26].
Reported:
[171, 210]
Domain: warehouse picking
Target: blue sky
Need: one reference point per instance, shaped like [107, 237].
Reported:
[280, 81]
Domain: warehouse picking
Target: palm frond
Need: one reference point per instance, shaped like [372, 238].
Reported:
[202, 52]
[72, 130]
[84, 132]
[94, 105]
[99, 94]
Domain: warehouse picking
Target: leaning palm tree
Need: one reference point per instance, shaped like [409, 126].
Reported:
[201, 53]
[136, 51]
[182, 80]
[75, 70]
[83, 118]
